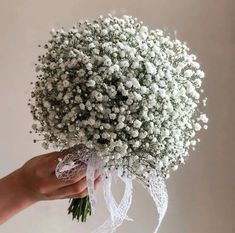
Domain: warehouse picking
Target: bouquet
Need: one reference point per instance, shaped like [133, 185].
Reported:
[127, 99]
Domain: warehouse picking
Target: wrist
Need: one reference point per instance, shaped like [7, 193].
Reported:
[22, 189]
[14, 195]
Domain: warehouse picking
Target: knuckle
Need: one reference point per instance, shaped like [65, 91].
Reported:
[71, 181]
[42, 190]
[82, 195]
[38, 172]
[49, 195]
[77, 188]
[79, 195]
[41, 187]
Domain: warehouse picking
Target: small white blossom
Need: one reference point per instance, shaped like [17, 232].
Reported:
[137, 123]
[200, 73]
[135, 83]
[150, 68]
[197, 127]
[203, 118]
[134, 133]
[66, 83]
[188, 73]
[91, 83]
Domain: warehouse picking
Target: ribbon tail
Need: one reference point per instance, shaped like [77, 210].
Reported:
[117, 213]
[158, 191]
[90, 177]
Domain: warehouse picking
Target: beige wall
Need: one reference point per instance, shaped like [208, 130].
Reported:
[202, 192]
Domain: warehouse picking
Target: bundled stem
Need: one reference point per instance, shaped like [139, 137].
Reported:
[80, 208]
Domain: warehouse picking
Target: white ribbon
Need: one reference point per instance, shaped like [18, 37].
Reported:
[72, 164]
[158, 191]
[117, 213]
[90, 177]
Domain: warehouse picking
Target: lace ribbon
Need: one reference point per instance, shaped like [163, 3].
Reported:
[83, 158]
[158, 191]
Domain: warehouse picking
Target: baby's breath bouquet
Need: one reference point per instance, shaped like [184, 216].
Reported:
[127, 98]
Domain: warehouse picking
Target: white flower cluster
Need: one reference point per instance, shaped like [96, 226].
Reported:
[131, 93]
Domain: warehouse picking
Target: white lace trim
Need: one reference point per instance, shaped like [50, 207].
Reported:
[83, 158]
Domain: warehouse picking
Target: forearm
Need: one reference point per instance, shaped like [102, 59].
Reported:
[13, 196]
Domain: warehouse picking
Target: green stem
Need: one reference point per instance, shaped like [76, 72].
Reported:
[80, 208]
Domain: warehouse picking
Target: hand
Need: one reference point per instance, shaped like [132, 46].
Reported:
[36, 181]
[38, 178]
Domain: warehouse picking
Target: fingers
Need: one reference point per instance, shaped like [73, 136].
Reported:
[56, 183]
[80, 185]
[53, 183]
[54, 188]
[85, 192]
[80, 174]
[78, 189]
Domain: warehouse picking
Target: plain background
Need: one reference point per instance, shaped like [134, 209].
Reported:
[202, 192]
